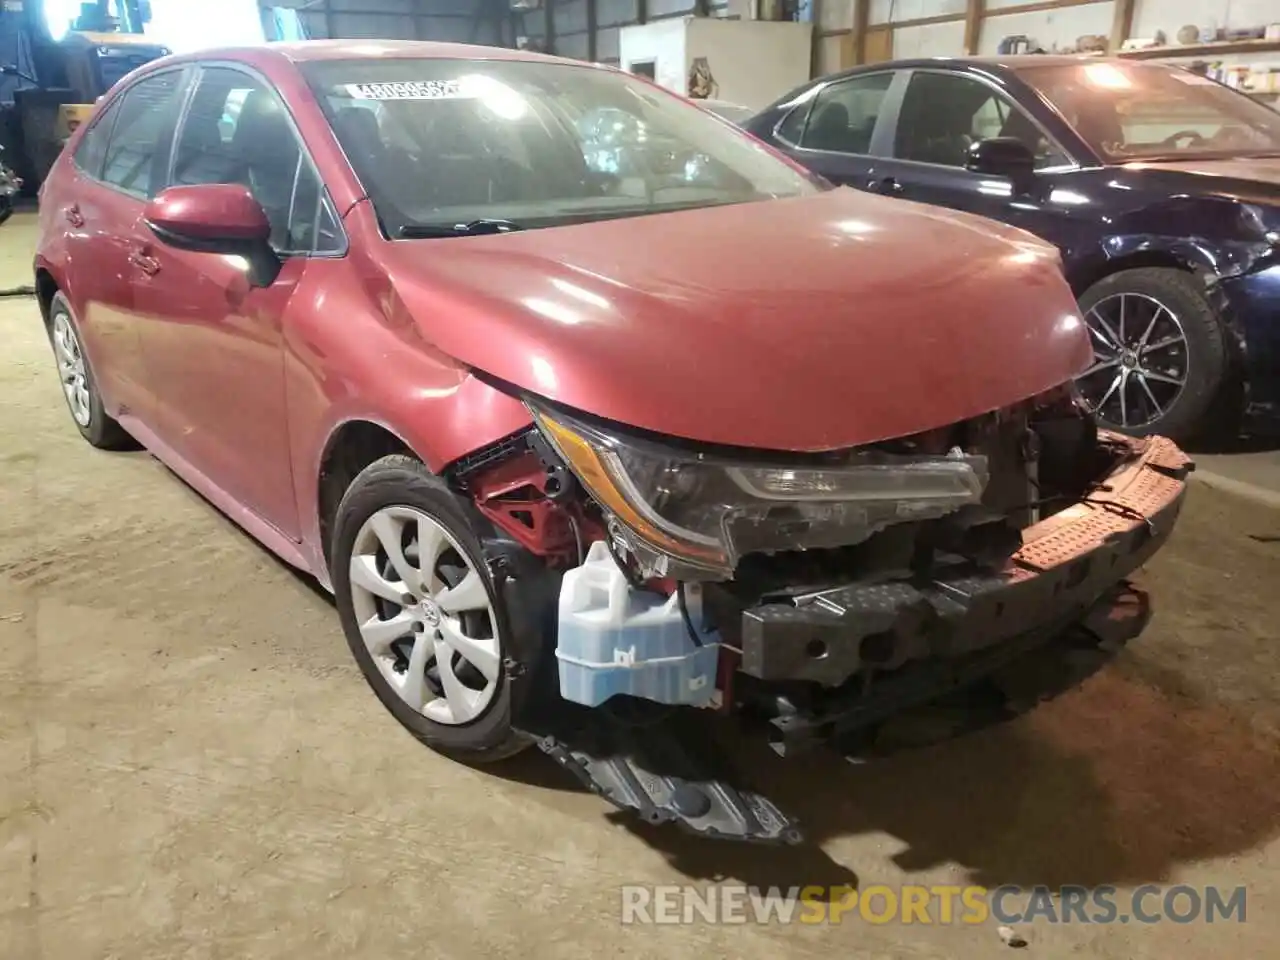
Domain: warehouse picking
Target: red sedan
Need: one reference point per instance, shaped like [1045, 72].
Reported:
[574, 394]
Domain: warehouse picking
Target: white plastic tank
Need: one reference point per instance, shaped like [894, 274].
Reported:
[615, 639]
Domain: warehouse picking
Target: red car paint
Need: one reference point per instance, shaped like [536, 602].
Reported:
[807, 324]
[804, 324]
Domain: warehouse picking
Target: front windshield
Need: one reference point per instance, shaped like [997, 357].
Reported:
[440, 143]
[1154, 112]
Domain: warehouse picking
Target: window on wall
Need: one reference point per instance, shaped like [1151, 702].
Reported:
[236, 24]
[140, 136]
[58, 16]
[843, 116]
[943, 114]
[237, 131]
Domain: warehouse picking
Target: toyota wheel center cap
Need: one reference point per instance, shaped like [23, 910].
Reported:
[430, 613]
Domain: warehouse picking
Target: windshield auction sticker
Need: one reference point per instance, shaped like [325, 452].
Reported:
[409, 90]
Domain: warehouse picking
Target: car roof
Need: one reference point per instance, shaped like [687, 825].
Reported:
[1012, 63]
[304, 51]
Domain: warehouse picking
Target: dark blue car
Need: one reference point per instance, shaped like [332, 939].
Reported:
[1161, 187]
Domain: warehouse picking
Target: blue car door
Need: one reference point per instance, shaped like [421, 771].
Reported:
[939, 115]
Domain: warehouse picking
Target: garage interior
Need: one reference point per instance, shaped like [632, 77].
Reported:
[191, 766]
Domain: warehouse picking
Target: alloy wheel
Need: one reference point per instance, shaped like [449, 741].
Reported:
[1140, 361]
[71, 369]
[425, 615]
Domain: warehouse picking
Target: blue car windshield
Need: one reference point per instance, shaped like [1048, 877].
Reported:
[442, 142]
[1145, 111]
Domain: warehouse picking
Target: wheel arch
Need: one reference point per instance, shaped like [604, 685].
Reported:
[350, 447]
[47, 288]
[1184, 255]
[1096, 269]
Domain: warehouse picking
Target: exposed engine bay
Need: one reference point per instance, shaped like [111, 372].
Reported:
[817, 593]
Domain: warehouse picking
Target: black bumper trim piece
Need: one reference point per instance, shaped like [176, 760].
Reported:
[1112, 621]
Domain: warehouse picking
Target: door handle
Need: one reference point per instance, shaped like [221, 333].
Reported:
[73, 215]
[145, 262]
[886, 185]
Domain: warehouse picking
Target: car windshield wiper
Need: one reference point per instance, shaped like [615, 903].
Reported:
[420, 231]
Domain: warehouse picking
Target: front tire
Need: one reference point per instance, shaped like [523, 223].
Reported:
[420, 612]
[79, 387]
[1161, 364]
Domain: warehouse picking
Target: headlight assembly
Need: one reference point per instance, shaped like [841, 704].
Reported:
[707, 511]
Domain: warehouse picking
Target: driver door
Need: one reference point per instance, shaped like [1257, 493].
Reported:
[941, 114]
[214, 343]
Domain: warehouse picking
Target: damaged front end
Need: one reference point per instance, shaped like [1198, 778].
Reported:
[821, 592]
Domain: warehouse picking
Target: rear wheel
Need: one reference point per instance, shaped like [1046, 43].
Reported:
[420, 612]
[75, 376]
[1160, 356]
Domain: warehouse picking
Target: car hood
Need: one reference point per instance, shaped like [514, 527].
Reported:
[1255, 179]
[803, 324]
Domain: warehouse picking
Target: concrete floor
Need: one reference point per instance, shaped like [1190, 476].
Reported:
[191, 766]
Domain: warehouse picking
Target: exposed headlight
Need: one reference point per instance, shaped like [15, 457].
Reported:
[708, 511]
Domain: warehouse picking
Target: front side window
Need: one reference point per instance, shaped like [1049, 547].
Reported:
[1146, 111]
[140, 136]
[438, 143]
[943, 114]
[237, 131]
[844, 115]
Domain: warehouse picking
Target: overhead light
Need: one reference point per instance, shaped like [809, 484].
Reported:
[1107, 75]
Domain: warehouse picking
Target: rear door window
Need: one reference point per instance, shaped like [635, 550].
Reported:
[138, 151]
[844, 115]
[92, 149]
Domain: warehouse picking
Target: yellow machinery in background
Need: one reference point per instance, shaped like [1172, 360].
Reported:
[71, 116]
[73, 73]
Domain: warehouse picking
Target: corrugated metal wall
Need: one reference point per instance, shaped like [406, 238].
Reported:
[585, 29]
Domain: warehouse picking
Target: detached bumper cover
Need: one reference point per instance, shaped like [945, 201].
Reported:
[1065, 565]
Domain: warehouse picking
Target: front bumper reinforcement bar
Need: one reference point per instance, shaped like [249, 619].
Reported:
[1067, 562]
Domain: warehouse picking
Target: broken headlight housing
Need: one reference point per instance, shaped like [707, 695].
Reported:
[707, 510]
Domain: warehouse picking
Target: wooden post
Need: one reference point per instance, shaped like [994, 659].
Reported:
[973, 17]
[858, 37]
[1121, 24]
[549, 26]
[591, 30]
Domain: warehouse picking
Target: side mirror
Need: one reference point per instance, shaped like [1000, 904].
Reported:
[221, 218]
[1002, 157]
